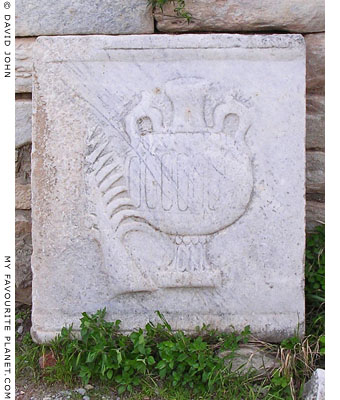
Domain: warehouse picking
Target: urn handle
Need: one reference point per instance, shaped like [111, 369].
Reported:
[232, 119]
[143, 120]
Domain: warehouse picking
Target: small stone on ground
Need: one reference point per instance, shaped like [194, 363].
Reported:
[81, 391]
[315, 387]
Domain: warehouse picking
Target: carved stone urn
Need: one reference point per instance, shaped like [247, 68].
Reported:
[189, 171]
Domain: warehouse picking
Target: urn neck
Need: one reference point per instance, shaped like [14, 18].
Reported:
[188, 98]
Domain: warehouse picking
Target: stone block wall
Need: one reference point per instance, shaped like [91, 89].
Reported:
[23, 225]
[35, 18]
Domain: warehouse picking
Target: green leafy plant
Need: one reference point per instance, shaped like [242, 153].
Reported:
[103, 353]
[315, 282]
[179, 7]
[322, 342]
[157, 360]
[280, 386]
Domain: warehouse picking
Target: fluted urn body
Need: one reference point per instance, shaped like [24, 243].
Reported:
[189, 173]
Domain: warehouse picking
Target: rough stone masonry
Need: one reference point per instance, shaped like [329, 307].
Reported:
[168, 173]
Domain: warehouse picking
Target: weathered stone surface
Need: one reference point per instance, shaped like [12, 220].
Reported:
[315, 388]
[35, 17]
[23, 64]
[315, 172]
[251, 358]
[22, 196]
[315, 214]
[246, 15]
[318, 197]
[315, 122]
[168, 174]
[315, 82]
[23, 240]
[23, 165]
[23, 252]
[23, 122]
[315, 63]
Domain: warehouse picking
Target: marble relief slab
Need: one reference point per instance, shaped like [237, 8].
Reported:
[168, 174]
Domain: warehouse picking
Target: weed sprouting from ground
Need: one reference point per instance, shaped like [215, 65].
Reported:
[179, 7]
[160, 361]
[103, 353]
